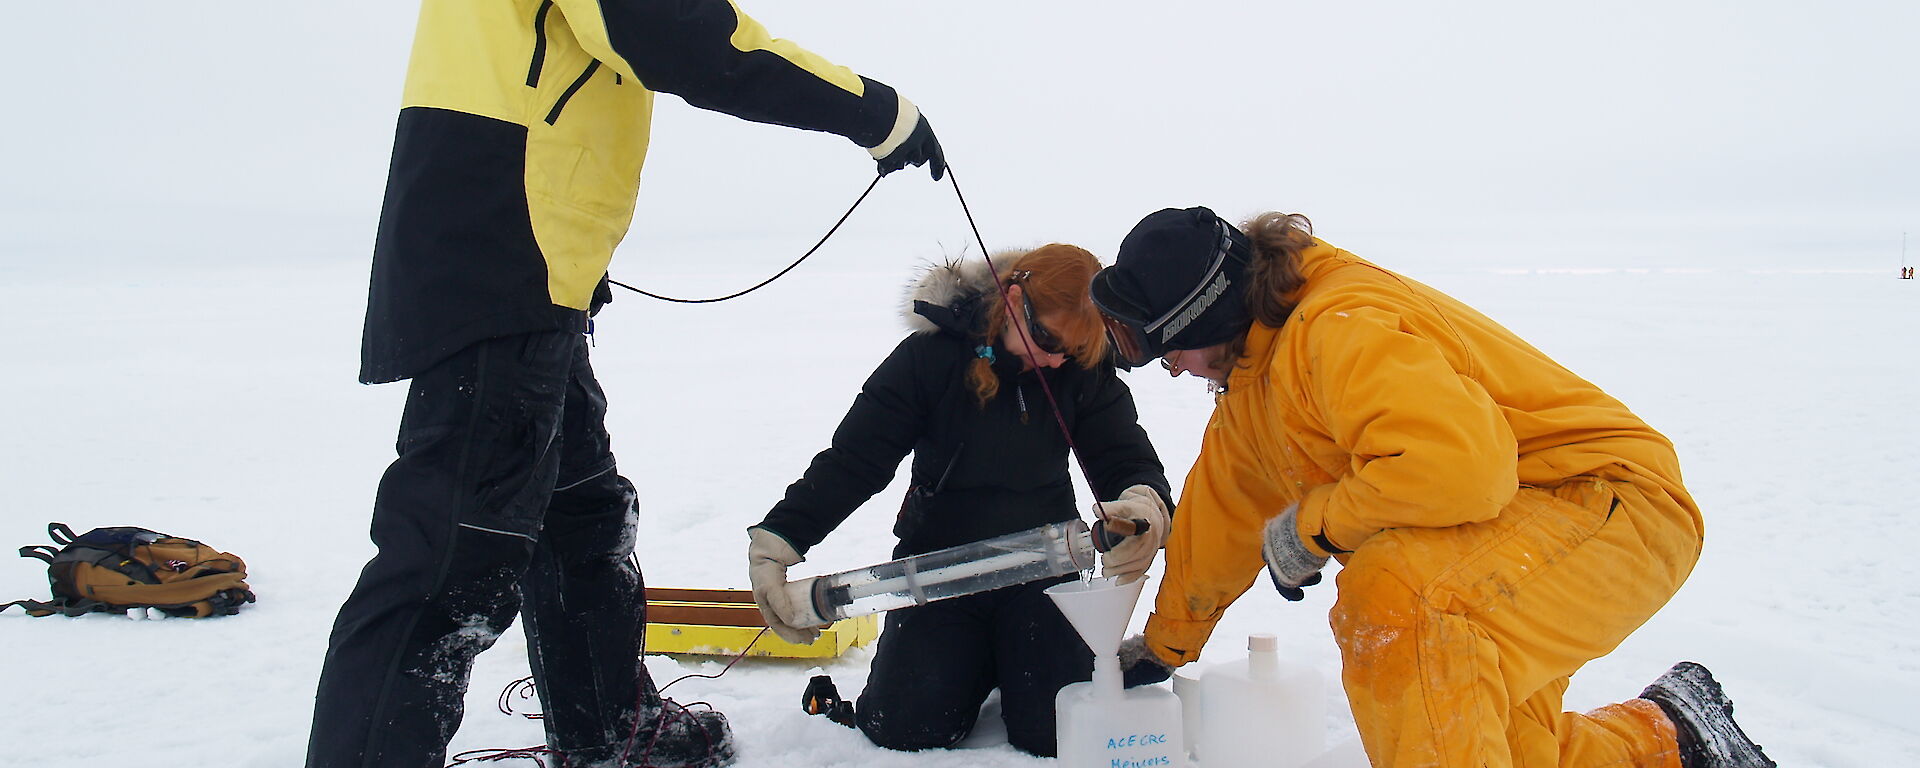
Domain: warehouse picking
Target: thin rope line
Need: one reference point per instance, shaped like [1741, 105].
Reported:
[777, 275]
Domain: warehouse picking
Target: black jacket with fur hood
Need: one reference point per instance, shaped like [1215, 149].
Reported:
[978, 471]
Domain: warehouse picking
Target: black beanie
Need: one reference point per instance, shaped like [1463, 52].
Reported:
[1186, 259]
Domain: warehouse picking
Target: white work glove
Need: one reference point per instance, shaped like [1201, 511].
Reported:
[768, 556]
[1131, 557]
[1289, 563]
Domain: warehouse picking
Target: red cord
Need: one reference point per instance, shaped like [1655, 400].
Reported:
[1006, 301]
[683, 711]
[523, 688]
[495, 755]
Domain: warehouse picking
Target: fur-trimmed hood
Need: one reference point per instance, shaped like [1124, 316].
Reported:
[980, 469]
[949, 296]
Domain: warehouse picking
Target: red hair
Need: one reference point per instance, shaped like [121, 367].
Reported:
[1055, 278]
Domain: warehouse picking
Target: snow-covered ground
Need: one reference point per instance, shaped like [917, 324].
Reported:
[1697, 208]
[218, 402]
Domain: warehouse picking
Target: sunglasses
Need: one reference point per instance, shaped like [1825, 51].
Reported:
[1128, 343]
[1036, 331]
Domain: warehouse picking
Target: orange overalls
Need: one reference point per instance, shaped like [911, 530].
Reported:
[1500, 521]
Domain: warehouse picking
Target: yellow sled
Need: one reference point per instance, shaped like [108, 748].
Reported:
[721, 622]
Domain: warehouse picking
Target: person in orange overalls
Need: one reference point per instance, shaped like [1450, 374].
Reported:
[1500, 521]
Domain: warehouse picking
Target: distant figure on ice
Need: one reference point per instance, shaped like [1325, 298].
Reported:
[515, 167]
[962, 394]
[1500, 521]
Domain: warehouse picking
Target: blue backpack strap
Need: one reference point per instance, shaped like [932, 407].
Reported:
[60, 533]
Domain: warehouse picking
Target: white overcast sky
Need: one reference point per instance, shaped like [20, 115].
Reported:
[1679, 133]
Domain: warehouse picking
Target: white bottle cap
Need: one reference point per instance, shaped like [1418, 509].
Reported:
[1263, 643]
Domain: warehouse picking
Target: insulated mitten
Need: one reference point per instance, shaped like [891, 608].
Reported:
[1139, 665]
[1289, 563]
[1132, 556]
[768, 556]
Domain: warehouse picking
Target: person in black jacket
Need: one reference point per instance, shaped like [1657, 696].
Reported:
[963, 394]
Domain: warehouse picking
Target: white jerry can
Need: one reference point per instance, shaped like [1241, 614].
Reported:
[1097, 724]
[1260, 712]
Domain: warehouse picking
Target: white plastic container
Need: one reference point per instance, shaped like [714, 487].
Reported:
[1262, 711]
[1139, 728]
[1097, 724]
[1186, 685]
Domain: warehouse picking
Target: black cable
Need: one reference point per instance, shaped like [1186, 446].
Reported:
[777, 275]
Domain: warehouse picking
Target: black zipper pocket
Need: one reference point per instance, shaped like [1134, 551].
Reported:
[539, 44]
[554, 115]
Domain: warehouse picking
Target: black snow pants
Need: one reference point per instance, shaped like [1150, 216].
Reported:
[937, 662]
[504, 500]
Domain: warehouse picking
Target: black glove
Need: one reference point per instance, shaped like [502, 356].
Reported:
[1293, 594]
[1138, 664]
[602, 296]
[920, 148]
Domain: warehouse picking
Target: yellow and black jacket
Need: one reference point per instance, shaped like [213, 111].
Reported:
[517, 157]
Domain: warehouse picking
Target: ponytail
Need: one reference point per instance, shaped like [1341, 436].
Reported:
[985, 384]
[1273, 277]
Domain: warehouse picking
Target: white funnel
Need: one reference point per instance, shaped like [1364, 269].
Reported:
[1099, 610]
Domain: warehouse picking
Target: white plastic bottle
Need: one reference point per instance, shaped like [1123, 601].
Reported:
[1097, 724]
[1186, 685]
[1262, 712]
[1102, 727]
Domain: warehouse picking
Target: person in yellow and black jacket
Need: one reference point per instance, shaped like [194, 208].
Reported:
[1500, 521]
[515, 168]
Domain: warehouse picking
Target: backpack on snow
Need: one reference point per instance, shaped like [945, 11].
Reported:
[117, 569]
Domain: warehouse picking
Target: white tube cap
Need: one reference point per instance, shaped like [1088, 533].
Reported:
[800, 600]
[1263, 643]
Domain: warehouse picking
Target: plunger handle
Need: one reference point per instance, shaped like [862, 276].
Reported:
[1108, 533]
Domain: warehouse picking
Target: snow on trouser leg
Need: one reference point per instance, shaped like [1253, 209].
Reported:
[1457, 642]
[455, 520]
[393, 688]
[584, 601]
[585, 612]
[585, 622]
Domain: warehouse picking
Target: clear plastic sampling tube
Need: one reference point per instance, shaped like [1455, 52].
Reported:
[1016, 558]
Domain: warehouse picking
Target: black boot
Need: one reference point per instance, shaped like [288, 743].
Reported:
[1703, 717]
[672, 736]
